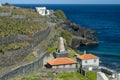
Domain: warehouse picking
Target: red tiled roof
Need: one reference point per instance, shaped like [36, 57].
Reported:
[87, 56]
[60, 61]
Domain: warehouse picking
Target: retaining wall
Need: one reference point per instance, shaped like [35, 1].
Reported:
[24, 69]
[60, 70]
[7, 14]
[11, 57]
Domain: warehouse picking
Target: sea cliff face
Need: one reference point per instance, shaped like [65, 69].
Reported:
[80, 35]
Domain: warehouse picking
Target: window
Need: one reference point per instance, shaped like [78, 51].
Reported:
[64, 66]
[85, 61]
[70, 65]
[94, 60]
[57, 66]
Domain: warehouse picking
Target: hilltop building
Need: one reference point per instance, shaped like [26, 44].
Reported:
[88, 61]
[43, 11]
[61, 63]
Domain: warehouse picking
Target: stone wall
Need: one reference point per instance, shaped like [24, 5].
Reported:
[58, 55]
[11, 57]
[24, 69]
[15, 38]
[19, 16]
[18, 38]
[5, 14]
[60, 70]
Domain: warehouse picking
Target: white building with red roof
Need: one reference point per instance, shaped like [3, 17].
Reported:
[61, 63]
[88, 61]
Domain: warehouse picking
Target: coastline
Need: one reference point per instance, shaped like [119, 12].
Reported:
[75, 27]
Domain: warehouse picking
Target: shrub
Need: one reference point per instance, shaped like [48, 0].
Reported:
[60, 14]
[67, 36]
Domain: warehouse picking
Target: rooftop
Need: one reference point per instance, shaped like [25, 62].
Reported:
[87, 56]
[61, 61]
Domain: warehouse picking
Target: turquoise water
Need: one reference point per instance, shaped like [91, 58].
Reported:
[105, 19]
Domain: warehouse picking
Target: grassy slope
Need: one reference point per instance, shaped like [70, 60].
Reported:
[29, 13]
[38, 75]
[10, 27]
[13, 46]
[70, 76]
[91, 75]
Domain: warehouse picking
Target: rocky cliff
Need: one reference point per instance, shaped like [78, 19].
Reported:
[80, 35]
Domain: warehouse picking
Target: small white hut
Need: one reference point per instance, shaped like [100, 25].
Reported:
[0, 5]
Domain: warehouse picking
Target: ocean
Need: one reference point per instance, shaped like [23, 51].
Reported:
[105, 19]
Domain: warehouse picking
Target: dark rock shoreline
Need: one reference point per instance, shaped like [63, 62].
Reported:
[80, 35]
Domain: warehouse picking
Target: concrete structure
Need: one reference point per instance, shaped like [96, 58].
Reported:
[101, 76]
[43, 11]
[61, 63]
[115, 77]
[61, 47]
[61, 52]
[88, 61]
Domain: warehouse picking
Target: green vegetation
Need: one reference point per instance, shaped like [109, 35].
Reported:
[13, 46]
[70, 76]
[78, 52]
[67, 36]
[29, 13]
[71, 53]
[39, 75]
[60, 14]
[30, 58]
[9, 26]
[53, 47]
[30, 76]
[91, 75]
[5, 9]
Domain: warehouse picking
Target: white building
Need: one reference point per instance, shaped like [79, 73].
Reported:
[0, 5]
[61, 63]
[61, 47]
[88, 61]
[43, 11]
